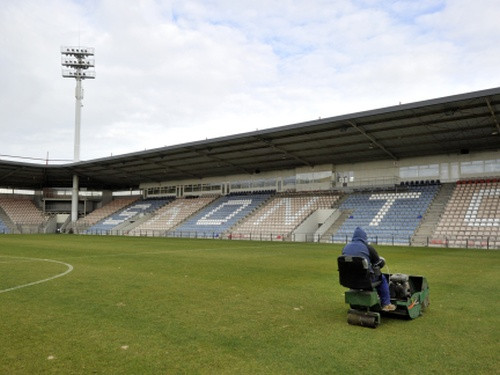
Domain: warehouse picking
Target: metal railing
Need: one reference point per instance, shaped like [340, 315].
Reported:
[472, 242]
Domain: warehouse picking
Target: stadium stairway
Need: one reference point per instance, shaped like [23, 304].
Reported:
[282, 215]
[433, 215]
[327, 237]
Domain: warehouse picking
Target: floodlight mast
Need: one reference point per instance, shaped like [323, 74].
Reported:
[77, 63]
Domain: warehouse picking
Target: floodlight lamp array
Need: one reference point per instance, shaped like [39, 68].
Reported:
[86, 51]
[78, 62]
[66, 73]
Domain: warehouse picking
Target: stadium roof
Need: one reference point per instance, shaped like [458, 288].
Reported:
[450, 125]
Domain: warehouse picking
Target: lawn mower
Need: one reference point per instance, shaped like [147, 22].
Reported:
[410, 294]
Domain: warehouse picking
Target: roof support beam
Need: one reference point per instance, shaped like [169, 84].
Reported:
[222, 161]
[87, 174]
[178, 170]
[10, 173]
[372, 140]
[271, 145]
[492, 111]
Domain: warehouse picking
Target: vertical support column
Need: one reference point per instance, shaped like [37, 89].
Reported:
[107, 196]
[76, 158]
[78, 118]
[74, 200]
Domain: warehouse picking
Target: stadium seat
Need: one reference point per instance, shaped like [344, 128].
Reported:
[472, 215]
[171, 215]
[282, 214]
[387, 217]
[220, 216]
[141, 207]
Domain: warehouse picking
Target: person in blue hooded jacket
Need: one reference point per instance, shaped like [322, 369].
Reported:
[359, 247]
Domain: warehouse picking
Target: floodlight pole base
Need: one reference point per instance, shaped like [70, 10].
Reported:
[78, 117]
[74, 200]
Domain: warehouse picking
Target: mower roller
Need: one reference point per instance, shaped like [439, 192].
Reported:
[410, 294]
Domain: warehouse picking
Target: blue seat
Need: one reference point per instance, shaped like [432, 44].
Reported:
[396, 223]
[220, 216]
[128, 213]
[3, 228]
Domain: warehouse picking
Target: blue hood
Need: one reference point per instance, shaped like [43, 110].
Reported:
[360, 235]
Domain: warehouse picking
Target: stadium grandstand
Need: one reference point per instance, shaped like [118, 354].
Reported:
[418, 174]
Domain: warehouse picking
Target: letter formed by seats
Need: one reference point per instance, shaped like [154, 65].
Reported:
[224, 212]
[389, 201]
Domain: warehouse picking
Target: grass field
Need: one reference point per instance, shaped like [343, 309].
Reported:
[175, 306]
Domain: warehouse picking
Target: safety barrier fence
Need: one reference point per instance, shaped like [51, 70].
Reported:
[23, 230]
[488, 243]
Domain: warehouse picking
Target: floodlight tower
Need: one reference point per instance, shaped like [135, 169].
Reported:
[77, 63]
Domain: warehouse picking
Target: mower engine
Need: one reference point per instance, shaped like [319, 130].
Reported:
[399, 286]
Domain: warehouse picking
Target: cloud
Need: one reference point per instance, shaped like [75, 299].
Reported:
[170, 72]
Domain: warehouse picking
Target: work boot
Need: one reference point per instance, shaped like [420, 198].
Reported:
[389, 307]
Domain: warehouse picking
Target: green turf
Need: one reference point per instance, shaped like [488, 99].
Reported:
[174, 306]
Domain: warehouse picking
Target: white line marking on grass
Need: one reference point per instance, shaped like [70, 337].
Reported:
[70, 268]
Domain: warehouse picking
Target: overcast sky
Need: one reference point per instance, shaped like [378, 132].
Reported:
[172, 72]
